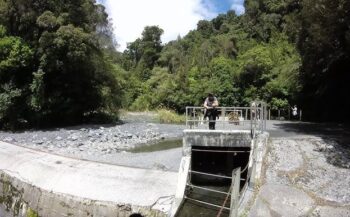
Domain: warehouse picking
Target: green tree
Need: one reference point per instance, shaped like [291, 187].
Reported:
[54, 62]
[324, 45]
[15, 58]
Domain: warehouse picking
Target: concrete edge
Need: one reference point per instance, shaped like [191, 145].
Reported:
[181, 184]
[249, 195]
[22, 199]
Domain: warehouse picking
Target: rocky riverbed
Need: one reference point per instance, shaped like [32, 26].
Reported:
[106, 143]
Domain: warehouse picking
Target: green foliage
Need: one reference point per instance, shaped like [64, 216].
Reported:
[58, 63]
[31, 213]
[324, 45]
[224, 57]
[37, 89]
[9, 98]
[144, 52]
[170, 117]
[14, 54]
[283, 52]
[54, 66]
[279, 103]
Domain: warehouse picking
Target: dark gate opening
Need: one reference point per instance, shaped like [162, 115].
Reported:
[220, 162]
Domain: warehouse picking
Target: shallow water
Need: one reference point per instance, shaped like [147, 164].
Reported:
[191, 208]
[158, 146]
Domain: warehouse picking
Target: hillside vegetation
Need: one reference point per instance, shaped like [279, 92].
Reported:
[59, 66]
[54, 67]
[283, 52]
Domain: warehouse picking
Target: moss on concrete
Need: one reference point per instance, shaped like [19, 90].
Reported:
[12, 198]
[14, 203]
[31, 213]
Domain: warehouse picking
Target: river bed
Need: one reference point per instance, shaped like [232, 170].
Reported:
[135, 143]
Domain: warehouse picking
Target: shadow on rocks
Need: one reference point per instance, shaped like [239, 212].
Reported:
[336, 137]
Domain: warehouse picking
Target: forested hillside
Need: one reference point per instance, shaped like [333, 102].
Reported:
[219, 57]
[283, 52]
[59, 66]
[54, 66]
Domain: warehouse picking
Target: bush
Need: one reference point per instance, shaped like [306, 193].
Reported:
[169, 116]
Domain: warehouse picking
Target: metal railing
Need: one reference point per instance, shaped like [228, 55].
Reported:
[234, 191]
[229, 118]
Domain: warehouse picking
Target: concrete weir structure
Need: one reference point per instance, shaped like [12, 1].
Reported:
[218, 166]
[34, 183]
[219, 152]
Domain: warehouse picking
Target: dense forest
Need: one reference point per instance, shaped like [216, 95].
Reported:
[284, 52]
[59, 65]
[54, 65]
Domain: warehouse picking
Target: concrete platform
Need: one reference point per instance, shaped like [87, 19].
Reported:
[82, 181]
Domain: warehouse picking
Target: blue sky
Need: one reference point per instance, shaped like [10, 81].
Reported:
[222, 6]
[175, 17]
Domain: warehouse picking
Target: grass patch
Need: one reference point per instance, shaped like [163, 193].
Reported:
[170, 117]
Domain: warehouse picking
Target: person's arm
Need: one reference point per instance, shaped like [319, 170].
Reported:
[205, 103]
[216, 103]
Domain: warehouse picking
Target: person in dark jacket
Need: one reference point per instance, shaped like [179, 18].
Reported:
[210, 105]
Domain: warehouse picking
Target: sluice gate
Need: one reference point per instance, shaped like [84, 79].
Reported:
[218, 165]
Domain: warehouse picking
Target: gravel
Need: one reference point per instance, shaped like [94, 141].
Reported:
[106, 143]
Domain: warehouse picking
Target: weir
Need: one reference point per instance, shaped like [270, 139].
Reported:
[217, 168]
[219, 165]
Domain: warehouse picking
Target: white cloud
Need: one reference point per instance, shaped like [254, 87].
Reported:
[175, 17]
[238, 6]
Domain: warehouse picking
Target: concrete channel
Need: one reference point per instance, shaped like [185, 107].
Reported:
[34, 183]
[206, 180]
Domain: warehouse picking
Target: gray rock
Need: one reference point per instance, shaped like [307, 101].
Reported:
[9, 139]
[327, 211]
[285, 200]
[74, 138]
[39, 142]
[159, 166]
[58, 138]
[260, 209]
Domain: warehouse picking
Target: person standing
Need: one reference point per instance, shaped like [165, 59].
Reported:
[295, 112]
[210, 104]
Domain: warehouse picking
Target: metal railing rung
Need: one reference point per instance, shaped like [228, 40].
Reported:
[206, 203]
[213, 175]
[209, 174]
[208, 189]
[218, 151]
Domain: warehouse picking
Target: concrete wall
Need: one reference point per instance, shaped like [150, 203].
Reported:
[217, 138]
[34, 183]
[18, 198]
[259, 150]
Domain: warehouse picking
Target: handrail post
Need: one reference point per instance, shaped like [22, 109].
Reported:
[236, 183]
[186, 116]
[251, 121]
